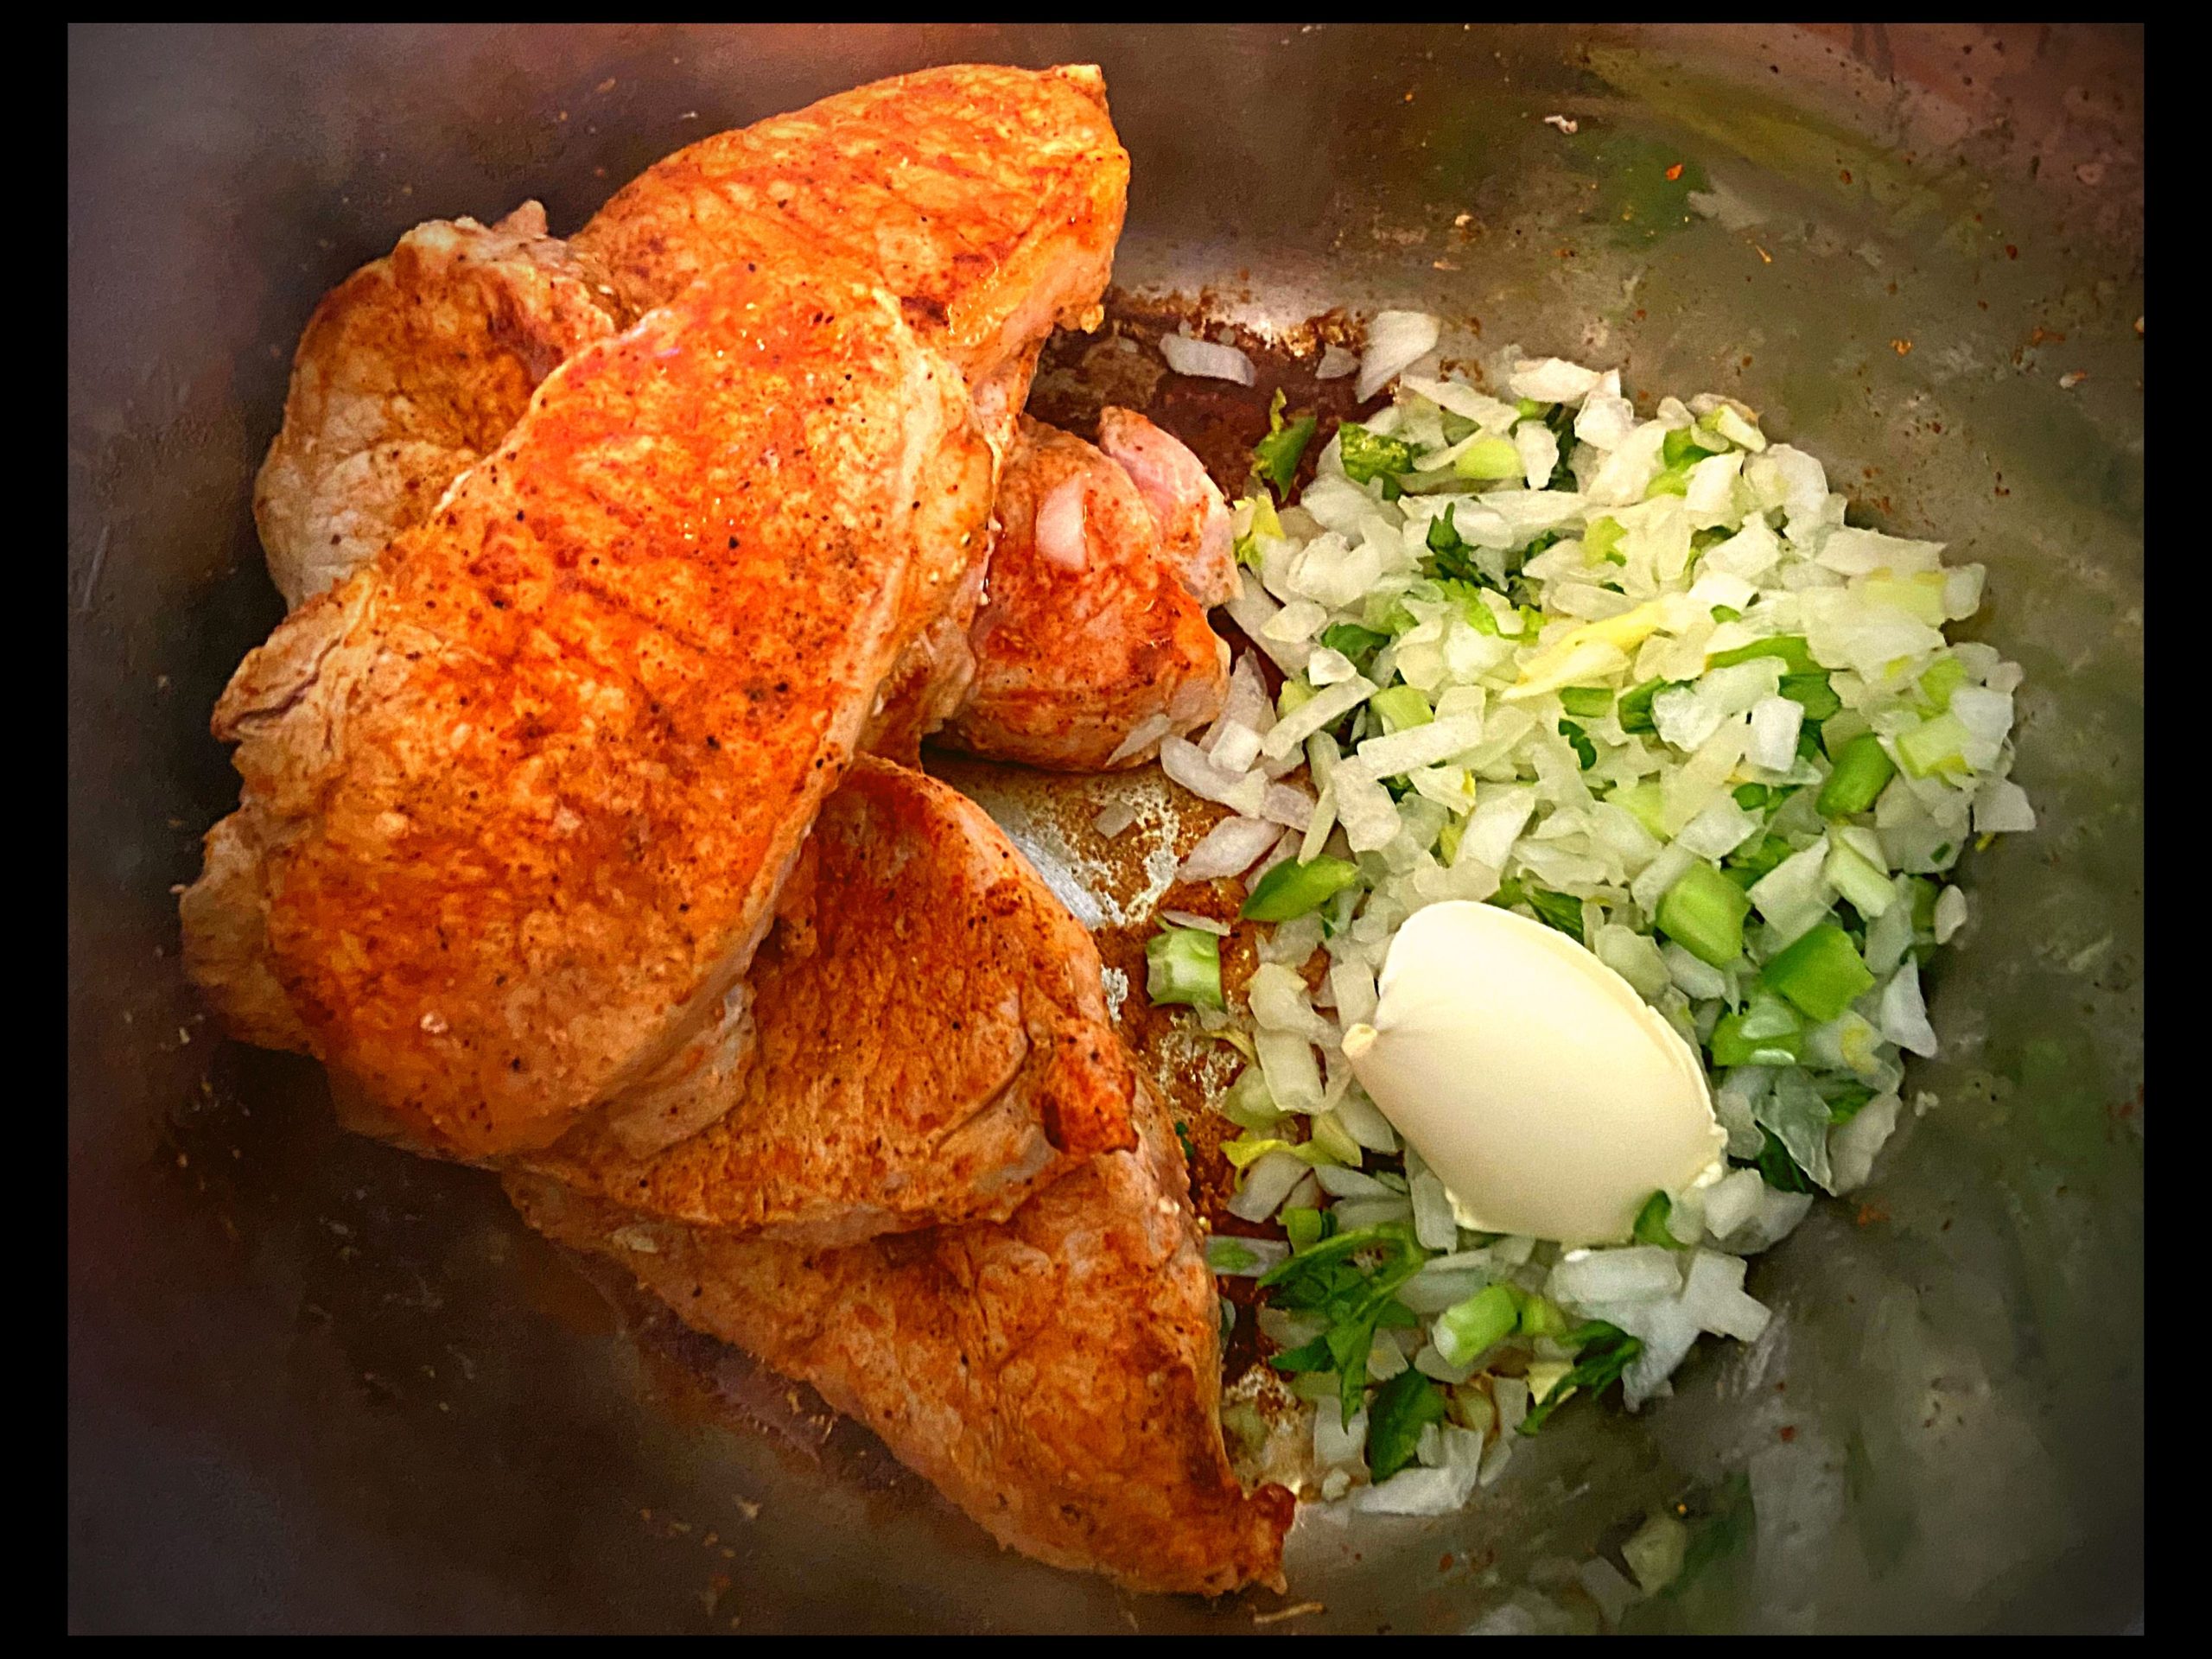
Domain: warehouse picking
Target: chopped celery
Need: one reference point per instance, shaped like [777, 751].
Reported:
[1862, 770]
[1937, 745]
[1797, 657]
[1305, 1228]
[1488, 459]
[1183, 965]
[1601, 540]
[1645, 802]
[1821, 972]
[1400, 707]
[1585, 702]
[1539, 1316]
[1367, 455]
[1944, 676]
[1704, 913]
[1854, 875]
[1291, 888]
[1465, 1329]
[1276, 457]
[1732, 1044]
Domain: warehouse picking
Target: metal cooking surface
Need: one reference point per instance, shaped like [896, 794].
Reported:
[316, 1383]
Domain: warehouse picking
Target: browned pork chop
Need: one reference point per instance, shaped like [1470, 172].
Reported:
[525, 787]
[988, 198]
[1058, 1376]
[1088, 649]
[932, 1042]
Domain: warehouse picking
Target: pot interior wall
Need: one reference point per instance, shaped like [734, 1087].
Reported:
[314, 1383]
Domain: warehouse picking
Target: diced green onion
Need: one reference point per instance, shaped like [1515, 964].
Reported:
[1862, 772]
[1924, 894]
[1937, 745]
[1704, 913]
[1796, 656]
[1821, 972]
[1585, 702]
[1183, 965]
[1465, 1329]
[1488, 459]
[1400, 707]
[1404, 1406]
[1291, 888]
[1636, 706]
[1366, 455]
[1247, 1103]
[1353, 640]
[1331, 1137]
[1276, 457]
[1812, 693]
[1600, 537]
[1228, 1255]
[1651, 1224]
[1584, 750]
[1443, 534]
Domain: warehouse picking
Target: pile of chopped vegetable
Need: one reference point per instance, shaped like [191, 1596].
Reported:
[1637, 678]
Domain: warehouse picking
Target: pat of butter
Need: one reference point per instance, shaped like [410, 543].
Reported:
[1549, 1098]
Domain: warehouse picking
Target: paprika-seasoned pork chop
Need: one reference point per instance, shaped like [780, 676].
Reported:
[933, 1040]
[409, 371]
[1088, 649]
[524, 789]
[1058, 1377]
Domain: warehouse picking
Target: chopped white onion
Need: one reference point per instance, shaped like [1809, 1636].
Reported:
[1206, 361]
[1395, 339]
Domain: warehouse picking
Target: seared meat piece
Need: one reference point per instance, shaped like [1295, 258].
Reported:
[1088, 648]
[410, 370]
[527, 785]
[987, 199]
[1058, 1377]
[932, 1040]
[1195, 534]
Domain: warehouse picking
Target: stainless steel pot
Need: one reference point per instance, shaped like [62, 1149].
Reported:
[317, 1384]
